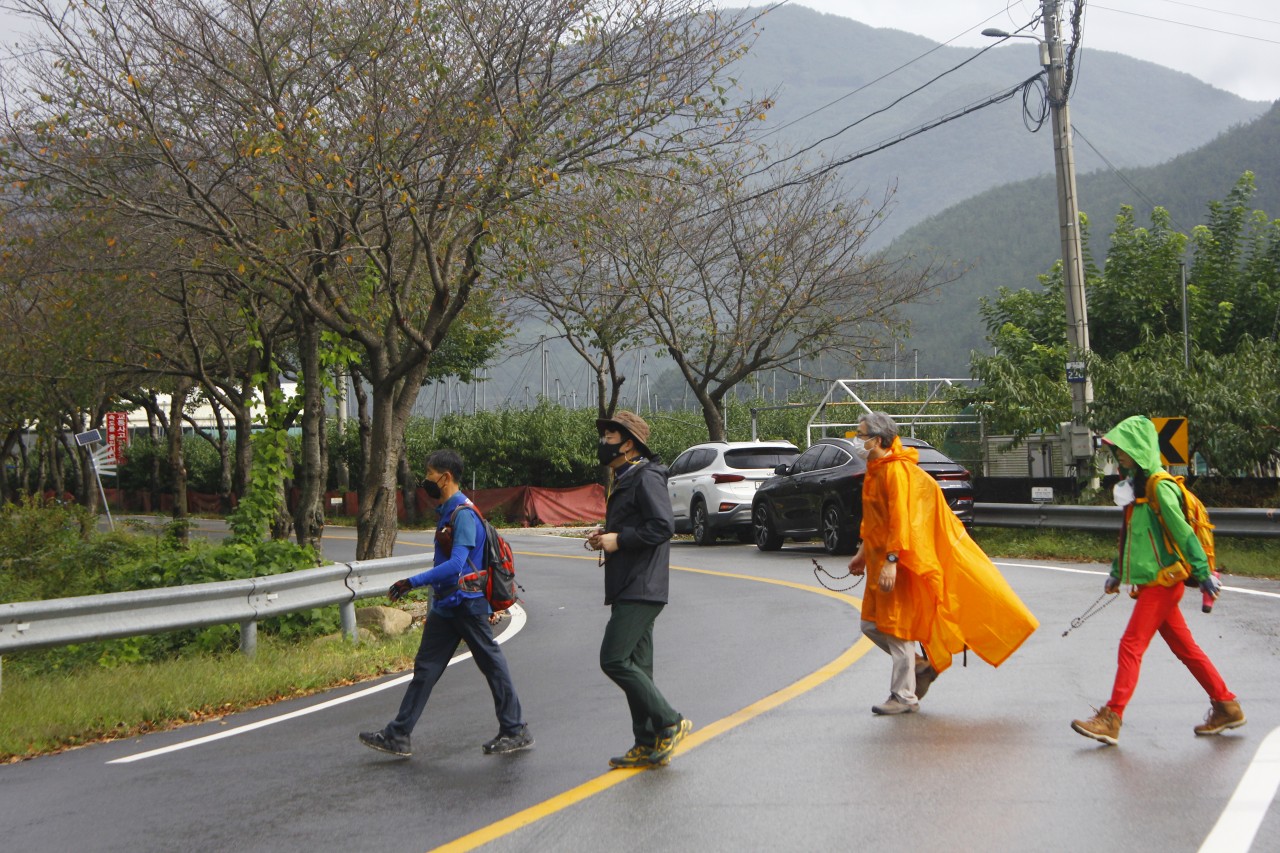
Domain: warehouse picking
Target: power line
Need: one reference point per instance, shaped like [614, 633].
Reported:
[997, 98]
[1221, 11]
[1185, 24]
[875, 113]
[1125, 179]
[884, 76]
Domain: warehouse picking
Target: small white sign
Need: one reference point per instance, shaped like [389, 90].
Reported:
[1042, 494]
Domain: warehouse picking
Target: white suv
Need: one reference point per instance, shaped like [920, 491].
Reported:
[712, 485]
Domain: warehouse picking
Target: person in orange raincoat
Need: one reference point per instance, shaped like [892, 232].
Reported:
[927, 580]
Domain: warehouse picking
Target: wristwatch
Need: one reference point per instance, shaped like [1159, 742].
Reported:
[892, 558]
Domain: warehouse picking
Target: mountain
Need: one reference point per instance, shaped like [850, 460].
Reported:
[823, 71]
[1009, 234]
[1135, 112]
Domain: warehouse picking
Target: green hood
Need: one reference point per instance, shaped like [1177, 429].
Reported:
[1137, 437]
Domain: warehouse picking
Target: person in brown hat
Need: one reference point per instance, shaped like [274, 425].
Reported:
[635, 544]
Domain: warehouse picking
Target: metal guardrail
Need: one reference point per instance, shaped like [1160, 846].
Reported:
[1250, 523]
[62, 621]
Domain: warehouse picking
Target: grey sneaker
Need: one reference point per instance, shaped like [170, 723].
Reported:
[514, 742]
[894, 705]
[384, 742]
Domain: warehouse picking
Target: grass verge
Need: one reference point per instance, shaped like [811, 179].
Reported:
[1259, 558]
[46, 713]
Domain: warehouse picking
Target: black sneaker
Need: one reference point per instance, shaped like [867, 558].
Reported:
[384, 742]
[667, 740]
[503, 744]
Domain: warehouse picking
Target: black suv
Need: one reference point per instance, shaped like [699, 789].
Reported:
[820, 494]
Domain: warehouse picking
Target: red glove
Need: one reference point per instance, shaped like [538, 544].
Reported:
[399, 590]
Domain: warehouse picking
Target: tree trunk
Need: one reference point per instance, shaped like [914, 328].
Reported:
[224, 452]
[308, 515]
[392, 404]
[340, 407]
[7, 493]
[177, 461]
[364, 422]
[712, 414]
[244, 450]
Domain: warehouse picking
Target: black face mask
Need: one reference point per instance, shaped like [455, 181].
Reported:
[432, 488]
[606, 452]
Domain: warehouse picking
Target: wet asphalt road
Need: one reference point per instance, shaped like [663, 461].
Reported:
[990, 763]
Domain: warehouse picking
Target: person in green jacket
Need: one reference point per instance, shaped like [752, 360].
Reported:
[1144, 562]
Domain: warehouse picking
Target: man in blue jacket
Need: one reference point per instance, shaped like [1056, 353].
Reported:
[636, 544]
[457, 615]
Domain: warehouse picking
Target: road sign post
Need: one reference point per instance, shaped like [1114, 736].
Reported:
[85, 439]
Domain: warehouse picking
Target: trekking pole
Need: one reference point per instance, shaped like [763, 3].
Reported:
[1092, 610]
[817, 567]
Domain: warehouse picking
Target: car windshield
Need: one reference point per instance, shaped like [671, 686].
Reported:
[760, 457]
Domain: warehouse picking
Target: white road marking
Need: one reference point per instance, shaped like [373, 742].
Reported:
[1236, 828]
[518, 619]
[1238, 589]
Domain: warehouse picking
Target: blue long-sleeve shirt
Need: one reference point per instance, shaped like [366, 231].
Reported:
[442, 577]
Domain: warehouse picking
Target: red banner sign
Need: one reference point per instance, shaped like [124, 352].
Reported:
[117, 436]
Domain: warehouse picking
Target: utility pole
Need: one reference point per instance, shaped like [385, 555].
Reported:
[1068, 215]
[1078, 438]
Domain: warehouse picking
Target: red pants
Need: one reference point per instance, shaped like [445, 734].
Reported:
[1157, 610]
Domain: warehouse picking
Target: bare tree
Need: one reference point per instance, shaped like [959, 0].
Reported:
[361, 159]
[571, 278]
[737, 277]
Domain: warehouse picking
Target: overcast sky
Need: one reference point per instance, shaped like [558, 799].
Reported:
[1232, 44]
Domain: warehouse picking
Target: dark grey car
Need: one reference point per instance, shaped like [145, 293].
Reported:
[820, 495]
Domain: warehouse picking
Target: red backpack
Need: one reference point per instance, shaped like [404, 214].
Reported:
[496, 577]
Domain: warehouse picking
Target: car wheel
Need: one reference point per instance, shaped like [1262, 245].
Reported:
[837, 537]
[766, 539]
[702, 532]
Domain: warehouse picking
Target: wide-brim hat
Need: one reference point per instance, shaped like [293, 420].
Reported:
[632, 425]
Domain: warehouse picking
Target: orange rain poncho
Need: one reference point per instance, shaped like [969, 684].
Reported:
[948, 593]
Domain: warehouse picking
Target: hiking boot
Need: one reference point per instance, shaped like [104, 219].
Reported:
[1103, 726]
[514, 742]
[1221, 716]
[637, 756]
[925, 676]
[894, 705]
[667, 740]
[384, 742]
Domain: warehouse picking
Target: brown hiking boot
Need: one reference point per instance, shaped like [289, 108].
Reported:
[1221, 716]
[1103, 726]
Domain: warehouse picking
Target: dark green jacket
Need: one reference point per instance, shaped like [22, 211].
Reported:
[1143, 551]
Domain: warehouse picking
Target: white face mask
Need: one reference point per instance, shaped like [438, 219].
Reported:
[860, 450]
[1122, 493]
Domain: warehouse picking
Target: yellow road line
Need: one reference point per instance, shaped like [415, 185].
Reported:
[695, 739]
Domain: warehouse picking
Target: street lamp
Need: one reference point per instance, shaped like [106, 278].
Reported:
[1051, 58]
[997, 33]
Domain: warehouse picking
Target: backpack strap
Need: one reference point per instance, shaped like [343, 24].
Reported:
[1153, 486]
[467, 504]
